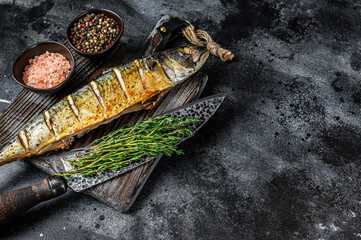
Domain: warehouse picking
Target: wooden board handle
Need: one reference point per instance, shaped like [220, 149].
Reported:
[18, 201]
[157, 40]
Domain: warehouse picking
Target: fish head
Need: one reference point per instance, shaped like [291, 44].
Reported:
[180, 63]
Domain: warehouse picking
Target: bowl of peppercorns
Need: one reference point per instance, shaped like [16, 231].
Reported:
[94, 32]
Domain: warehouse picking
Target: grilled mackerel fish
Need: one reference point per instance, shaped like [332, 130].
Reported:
[117, 91]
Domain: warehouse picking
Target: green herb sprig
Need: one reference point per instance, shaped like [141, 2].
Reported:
[157, 135]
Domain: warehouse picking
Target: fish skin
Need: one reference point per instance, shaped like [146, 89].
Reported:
[119, 90]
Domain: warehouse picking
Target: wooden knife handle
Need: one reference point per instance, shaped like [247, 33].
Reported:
[18, 201]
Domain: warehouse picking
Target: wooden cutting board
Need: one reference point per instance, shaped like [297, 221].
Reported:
[120, 192]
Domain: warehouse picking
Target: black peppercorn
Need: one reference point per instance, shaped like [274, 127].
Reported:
[94, 33]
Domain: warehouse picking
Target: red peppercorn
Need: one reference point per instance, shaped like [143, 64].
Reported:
[94, 27]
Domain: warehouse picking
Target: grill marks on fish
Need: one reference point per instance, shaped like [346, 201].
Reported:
[49, 124]
[133, 83]
[117, 91]
[121, 82]
[121, 90]
[90, 109]
[39, 134]
[63, 119]
[94, 86]
[73, 107]
[141, 73]
[114, 99]
[154, 74]
[24, 140]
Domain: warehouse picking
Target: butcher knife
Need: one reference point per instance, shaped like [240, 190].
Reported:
[18, 201]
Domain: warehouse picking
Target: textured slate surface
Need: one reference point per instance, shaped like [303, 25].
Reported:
[281, 158]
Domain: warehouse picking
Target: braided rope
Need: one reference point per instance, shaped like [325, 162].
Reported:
[202, 38]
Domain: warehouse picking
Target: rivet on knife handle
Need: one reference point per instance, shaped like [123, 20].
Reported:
[18, 201]
[165, 29]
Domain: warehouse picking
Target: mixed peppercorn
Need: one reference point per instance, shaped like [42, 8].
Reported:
[94, 33]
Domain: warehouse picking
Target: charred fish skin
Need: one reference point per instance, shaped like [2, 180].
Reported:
[117, 91]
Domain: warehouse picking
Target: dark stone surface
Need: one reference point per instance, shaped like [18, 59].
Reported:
[281, 158]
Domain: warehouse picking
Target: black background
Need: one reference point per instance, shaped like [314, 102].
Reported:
[279, 160]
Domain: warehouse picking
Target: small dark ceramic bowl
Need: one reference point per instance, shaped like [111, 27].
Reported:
[108, 13]
[37, 49]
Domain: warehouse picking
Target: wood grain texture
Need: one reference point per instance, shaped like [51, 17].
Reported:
[18, 201]
[120, 192]
[27, 104]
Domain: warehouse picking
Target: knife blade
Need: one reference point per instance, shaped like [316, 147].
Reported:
[18, 201]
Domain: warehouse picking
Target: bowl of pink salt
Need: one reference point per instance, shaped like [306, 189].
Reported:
[44, 68]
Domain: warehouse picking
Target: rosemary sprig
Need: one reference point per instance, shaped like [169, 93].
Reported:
[128, 144]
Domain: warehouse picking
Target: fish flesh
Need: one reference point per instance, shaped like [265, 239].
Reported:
[117, 91]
